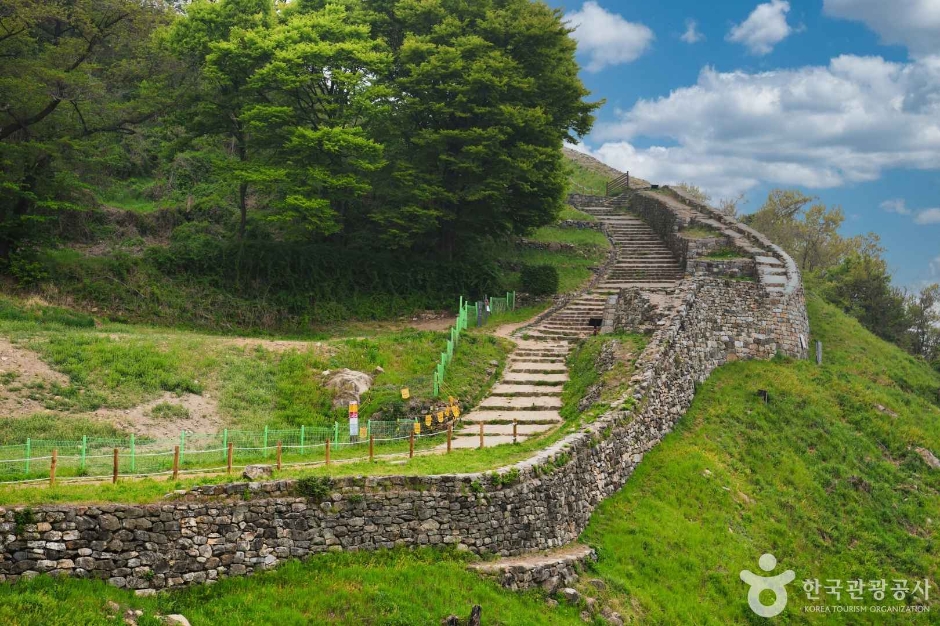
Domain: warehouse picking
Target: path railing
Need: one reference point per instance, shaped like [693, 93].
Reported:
[467, 314]
[618, 185]
[140, 456]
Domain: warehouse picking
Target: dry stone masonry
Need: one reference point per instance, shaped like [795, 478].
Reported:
[704, 317]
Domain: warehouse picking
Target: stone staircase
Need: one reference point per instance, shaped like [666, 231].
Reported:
[529, 392]
[643, 259]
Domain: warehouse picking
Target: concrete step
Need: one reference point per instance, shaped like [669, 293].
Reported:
[513, 403]
[519, 377]
[507, 389]
[543, 416]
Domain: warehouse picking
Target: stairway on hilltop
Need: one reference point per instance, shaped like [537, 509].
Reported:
[529, 392]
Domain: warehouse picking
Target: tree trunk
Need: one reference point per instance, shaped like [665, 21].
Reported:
[243, 209]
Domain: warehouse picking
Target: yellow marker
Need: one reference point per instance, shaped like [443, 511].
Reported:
[451, 400]
[440, 418]
[405, 394]
[417, 428]
[353, 407]
[363, 433]
[456, 411]
[427, 420]
[440, 415]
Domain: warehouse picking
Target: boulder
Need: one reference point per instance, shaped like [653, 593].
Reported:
[257, 472]
[929, 458]
[347, 386]
[571, 595]
[176, 620]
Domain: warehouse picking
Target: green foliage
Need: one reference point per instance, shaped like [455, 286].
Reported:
[539, 280]
[385, 587]
[506, 479]
[23, 518]
[43, 314]
[74, 76]
[316, 488]
[169, 411]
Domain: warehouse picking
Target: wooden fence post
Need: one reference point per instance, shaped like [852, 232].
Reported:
[114, 476]
[279, 456]
[328, 452]
[450, 433]
[481, 434]
[176, 461]
[55, 460]
[371, 447]
[229, 454]
[411, 445]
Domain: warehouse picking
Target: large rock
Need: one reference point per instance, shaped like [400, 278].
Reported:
[258, 472]
[347, 386]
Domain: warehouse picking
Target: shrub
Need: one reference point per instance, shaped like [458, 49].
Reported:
[315, 488]
[539, 280]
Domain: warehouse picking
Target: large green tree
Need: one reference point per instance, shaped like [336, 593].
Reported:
[72, 71]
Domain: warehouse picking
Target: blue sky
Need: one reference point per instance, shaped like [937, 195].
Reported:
[839, 98]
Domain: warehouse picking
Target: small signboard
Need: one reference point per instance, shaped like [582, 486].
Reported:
[427, 420]
[363, 433]
[440, 418]
[405, 393]
[440, 415]
[456, 411]
[353, 419]
[417, 428]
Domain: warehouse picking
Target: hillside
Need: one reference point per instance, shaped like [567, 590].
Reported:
[587, 167]
[826, 476]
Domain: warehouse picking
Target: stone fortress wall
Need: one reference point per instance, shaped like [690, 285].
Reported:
[538, 504]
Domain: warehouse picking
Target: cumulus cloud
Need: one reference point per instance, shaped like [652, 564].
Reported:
[896, 205]
[606, 38]
[928, 216]
[819, 126]
[911, 23]
[764, 28]
[691, 34]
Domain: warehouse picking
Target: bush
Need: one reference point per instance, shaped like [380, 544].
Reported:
[539, 280]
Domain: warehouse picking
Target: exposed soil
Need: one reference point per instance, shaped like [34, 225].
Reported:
[203, 416]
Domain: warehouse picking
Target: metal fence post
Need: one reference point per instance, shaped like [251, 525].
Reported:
[264, 444]
[301, 438]
[335, 432]
[224, 441]
[84, 451]
[28, 446]
[182, 444]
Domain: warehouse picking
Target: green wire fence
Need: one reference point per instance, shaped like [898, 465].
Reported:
[93, 456]
[478, 312]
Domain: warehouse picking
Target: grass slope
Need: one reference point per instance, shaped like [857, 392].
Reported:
[390, 588]
[820, 477]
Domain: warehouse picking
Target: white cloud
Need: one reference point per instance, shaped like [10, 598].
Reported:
[818, 126]
[691, 34]
[928, 216]
[764, 28]
[935, 266]
[606, 37]
[896, 205]
[911, 23]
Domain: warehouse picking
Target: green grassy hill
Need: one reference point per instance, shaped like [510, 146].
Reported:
[826, 476]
